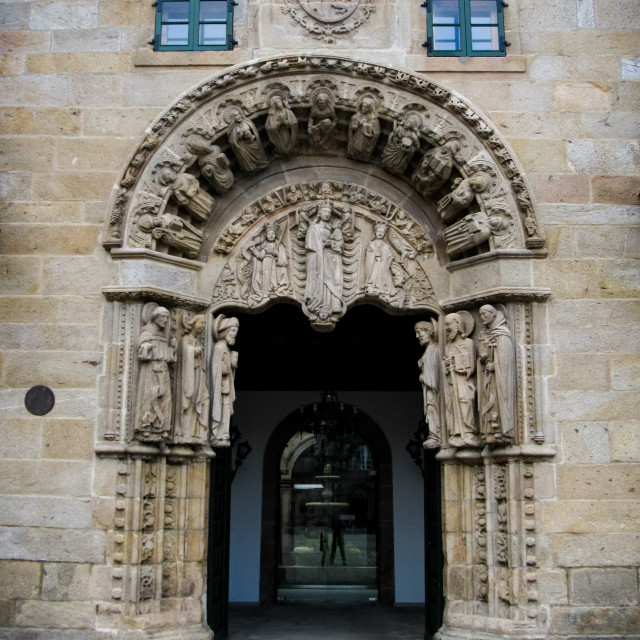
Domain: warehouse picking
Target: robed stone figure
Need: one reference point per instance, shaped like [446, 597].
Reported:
[496, 376]
[223, 366]
[156, 351]
[430, 366]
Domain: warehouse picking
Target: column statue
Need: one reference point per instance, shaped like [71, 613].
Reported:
[430, 366]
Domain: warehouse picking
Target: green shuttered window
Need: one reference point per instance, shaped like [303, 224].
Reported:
[194, 25]
[465, 27]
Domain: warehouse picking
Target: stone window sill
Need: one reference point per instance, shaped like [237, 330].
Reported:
[150, 58]
[506, 64]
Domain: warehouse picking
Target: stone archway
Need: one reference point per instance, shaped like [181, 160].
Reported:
[327, 183]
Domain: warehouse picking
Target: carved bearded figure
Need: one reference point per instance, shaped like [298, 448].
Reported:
[192, 403]
[364, 131]
[322, 122]
[430, 365]
[245, 142]
[223, 367]
[496, 376]
[281, 126]
[154, 404]
[460, 389]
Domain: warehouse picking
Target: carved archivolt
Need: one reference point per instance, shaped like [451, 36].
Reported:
[200, 153]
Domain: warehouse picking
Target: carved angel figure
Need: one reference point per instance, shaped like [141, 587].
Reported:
[402, 143]
[192, 405]
[430, 365]
[245, 142]
[324, 243]
[364, 131]
[224, 362]
[213, 163]
[269, 265]
[496, 376]
[436, 167]
[174, 231]
[185, 190]
[322, 121]
[154, 403]
[460, 389]
[462, 195]
[472, 231]
[281, 126]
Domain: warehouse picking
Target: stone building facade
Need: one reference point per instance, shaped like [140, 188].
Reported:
[147, 196]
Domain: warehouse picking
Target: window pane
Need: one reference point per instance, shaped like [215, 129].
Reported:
[484, 12]
[213, 10]
[446, 12]
[446, 38]
[485, 39]
[175, 12]
[175, 34]
[212, 34]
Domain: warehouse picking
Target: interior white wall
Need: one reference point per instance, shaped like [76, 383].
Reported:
[257, 414]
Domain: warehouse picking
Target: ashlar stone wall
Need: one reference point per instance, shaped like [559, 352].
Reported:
[79, 87]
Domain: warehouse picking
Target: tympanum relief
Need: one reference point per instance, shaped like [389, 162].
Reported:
[325, 245]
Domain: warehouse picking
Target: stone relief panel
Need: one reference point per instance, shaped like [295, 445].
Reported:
[236, 124]
[325, 245]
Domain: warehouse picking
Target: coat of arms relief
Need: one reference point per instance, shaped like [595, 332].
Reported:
[327, 19]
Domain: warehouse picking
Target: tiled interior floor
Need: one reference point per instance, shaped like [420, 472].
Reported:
[324, 620]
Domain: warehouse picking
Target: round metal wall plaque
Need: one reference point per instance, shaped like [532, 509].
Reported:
[39, 400]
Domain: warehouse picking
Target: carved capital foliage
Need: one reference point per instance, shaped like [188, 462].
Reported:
[202, 152]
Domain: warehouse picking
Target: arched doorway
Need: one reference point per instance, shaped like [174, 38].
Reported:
[430, 215]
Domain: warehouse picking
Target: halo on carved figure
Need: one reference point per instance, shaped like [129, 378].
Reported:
[165, 171]
[325, 87]
[371, 93]
[489, 171]
[468, 323]
[280, 89]
[221, 324]
[502, 224]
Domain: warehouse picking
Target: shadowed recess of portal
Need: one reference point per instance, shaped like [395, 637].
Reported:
[368, 350]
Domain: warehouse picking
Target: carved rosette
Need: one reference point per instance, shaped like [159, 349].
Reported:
[480, 536]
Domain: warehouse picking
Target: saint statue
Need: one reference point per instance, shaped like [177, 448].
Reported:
[269, 265]
[281, 126]
[192, 402]
[460, 389]
[174, 231]
[496, 376]
[462, 196]
[213, 163]
[322, 121]
[470, 232]
[186, 191]
[402, 143]
[246, 144]
[223, 367]
[324, 243]
[154, 404]
[436, 167]
[379, 257]
[364, 131]
[430, 366]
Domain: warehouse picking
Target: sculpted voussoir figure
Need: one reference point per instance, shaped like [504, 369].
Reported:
[156, 352]
[213, 163]
[460, 388]
[269, 264]
[186, 191]
[402, 143]
[174, 231]
[246, 144]
[364, 131]
[462, 196]
[436, 167]
[281, 126]
[430, 377]
[322, 121]
[192, 402]
[496, 377]
[223, 367]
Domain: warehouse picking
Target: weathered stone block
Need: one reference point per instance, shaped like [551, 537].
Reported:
[616, 189]
[67, 615]
[71, 337]
[158, 88]
[51, 309]
[541, 155]
[45, 477]
[82, 90]
[105, 62]
[54, 545]
[106, 478]
[49, 511]
[7, 613]
[14, 15]
[584, 443]
[576, 371]
[625, 442]
[603, 242]
[619, 278]
[623, 14]
[596, 549]
[125, 13]
[20, 275]
[592, 516]
[607, 41]
[580, 313]
[21, 438]
[15, 185]
[60, 274]
[552, 586]
[12, 63]
[556, 16]
[581, 96]
[85, 40]
[29, 239]
[34, 90]
[562, 187]
[116, 121]
[23, 41]
[587, 214]
[630, 69]
[19, 580]
[587, 68]
[625, 372]
[81, 14]
[604, 157]
[570, 278]
[598, 482]
[73, 185]
[508, 95]
[595, 622]
[93, 154]
[604, 587]
[66, 581]
[42, 212]
[595, 340]
[68, 439]
[17, 120]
